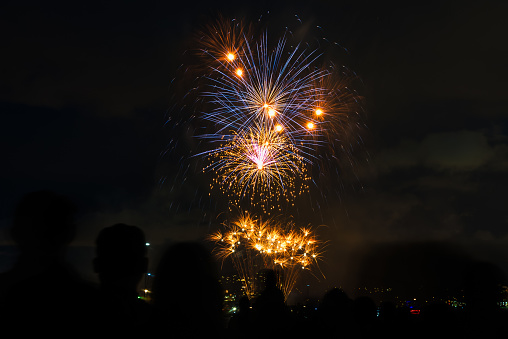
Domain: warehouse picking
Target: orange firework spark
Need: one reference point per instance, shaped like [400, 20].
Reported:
[252, 244]
[260, 164]
[224, 40]
[253, 91]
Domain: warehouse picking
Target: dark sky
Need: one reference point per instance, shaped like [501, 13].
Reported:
[86, 88]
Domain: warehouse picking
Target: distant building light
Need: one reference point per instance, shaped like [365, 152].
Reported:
[147, 244]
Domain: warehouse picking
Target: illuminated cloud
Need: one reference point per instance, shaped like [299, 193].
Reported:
[449, 151]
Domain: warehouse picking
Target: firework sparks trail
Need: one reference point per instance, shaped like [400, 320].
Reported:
[262, 88]
[274, 117]
[261, 164]
[280, 96]
[252, 244]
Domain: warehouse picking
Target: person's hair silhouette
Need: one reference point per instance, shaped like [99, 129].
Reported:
[364, 312]
[271, 297]
[240, 324]
[41, 291]
[334, 314]
[270, 307]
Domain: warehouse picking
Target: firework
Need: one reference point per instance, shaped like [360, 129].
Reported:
[259, 86]
[224, 40]
[261, 164]
[253, 245]
[277, 116]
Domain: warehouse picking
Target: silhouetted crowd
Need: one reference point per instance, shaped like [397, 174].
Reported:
[42, 294]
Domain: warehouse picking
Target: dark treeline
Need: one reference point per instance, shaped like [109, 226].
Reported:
[187, 296]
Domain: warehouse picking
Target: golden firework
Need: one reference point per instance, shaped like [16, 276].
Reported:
[254, 245]
[260, 164]
[224, 39]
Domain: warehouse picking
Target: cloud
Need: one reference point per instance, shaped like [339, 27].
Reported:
[462, 151]
[458, 151]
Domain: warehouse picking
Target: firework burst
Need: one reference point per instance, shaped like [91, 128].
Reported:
[261, 164]
[253, 245]
[277, 116]
[273, 118]
[264, 87]
[223, 40]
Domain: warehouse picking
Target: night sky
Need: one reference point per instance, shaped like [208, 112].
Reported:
[86, 89]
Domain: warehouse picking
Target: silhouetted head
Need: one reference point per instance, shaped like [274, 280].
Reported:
[364, 309]
[43, 222]
[121, 253]
[270, 279]
[335, 300]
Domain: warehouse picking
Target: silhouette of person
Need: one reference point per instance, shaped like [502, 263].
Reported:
[270, 307]
[240, 324]
[335, 314]
[391, 323]
[120, 264]
[187, 296]
[364, 312]
[41, 292]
